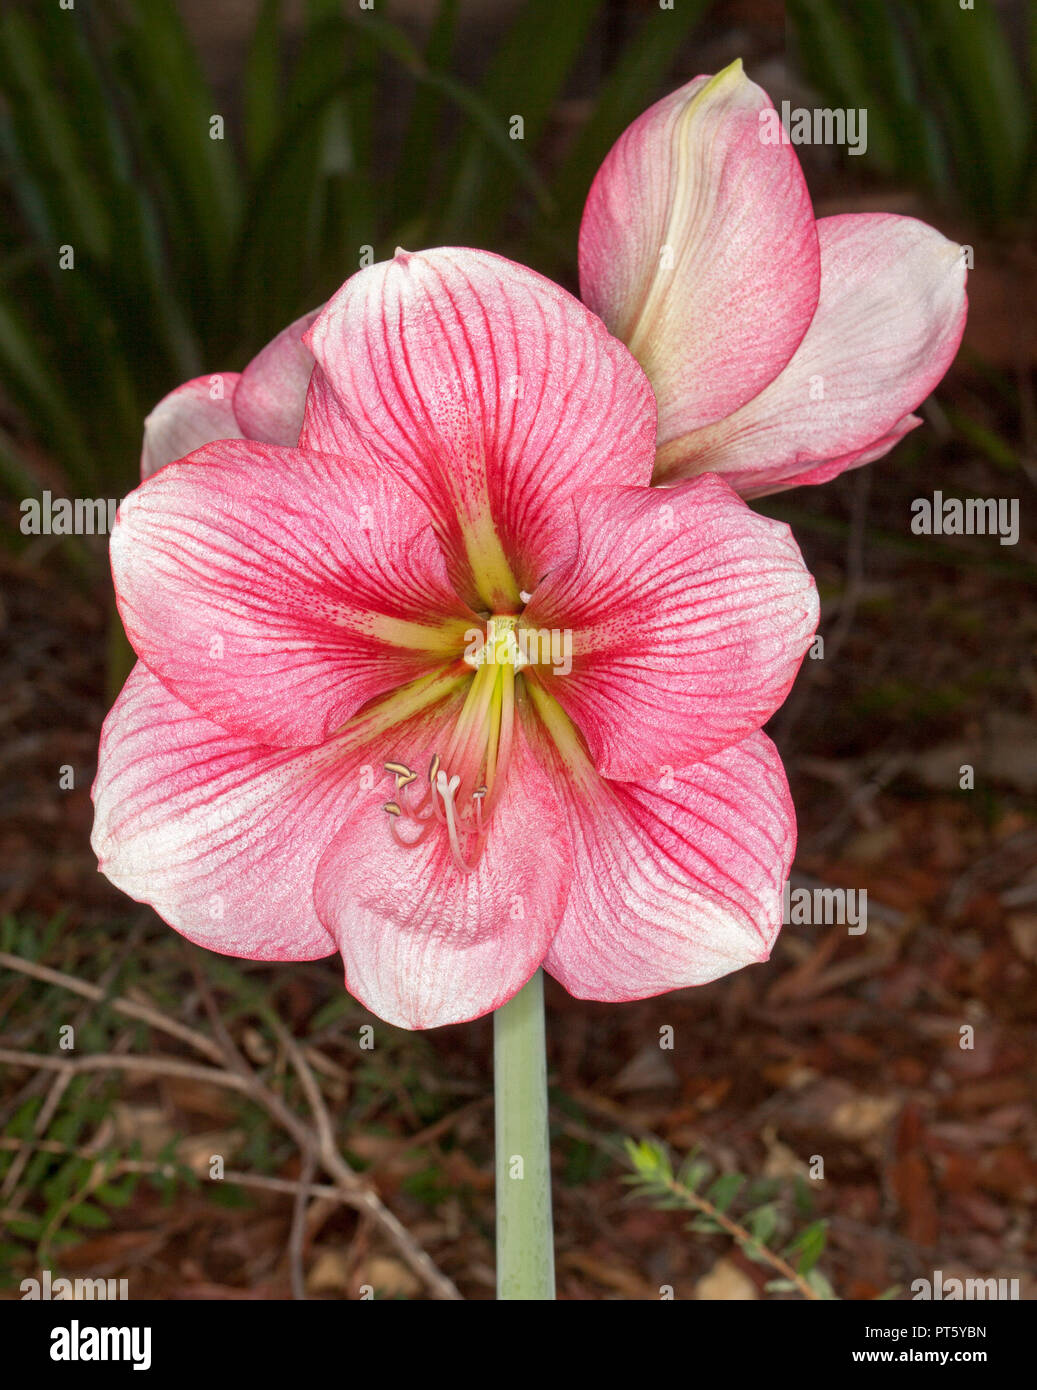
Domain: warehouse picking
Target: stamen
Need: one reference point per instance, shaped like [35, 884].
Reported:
[446, 790]
[404, 776]
[465, 781]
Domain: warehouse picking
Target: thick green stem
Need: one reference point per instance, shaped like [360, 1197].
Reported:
[525, 1235]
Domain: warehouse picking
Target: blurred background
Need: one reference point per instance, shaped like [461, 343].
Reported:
[346, 128]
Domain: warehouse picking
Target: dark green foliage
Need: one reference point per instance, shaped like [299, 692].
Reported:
[949, 94]
[191, 252]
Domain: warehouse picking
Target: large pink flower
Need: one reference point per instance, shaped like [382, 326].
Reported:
[782, 350]
[448, 686]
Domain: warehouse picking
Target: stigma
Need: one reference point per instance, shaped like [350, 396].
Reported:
[465, 779]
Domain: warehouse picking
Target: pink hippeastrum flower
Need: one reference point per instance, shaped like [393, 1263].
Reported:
[448, 686]
[264, 402]
[782, 350]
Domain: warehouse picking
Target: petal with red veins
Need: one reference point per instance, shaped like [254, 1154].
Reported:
[698, 248]
[194, 414]
[276, 592]
[888, 324]
[271, 395]
[220, 835]
[423, 943]
[831, 468]
[677, 879]
[689, 615]
[493, 392]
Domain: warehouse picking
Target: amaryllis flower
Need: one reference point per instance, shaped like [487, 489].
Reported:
[349, 727]
[264, 402]
[782, 350]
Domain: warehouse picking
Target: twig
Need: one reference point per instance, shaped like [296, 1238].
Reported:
[858, 802]
[740, 1235]
[336, 1165]
[297, 1237]
[235, 1073]
[235, 1058]
[231, 1055]
[315, 1100]
[262, 1182]
[128, 1007]
[439, 1127]
[356, 1192]
[34, 1085]
[101, 1061]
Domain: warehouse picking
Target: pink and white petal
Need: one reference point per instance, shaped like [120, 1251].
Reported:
[423, 943]
[831, 468]
[698, 248]
[271, 395]
[276, 591]
[677, 879]
[220, 835]
[194, 414]
[493, 392]
[888, 324]
[689, 615]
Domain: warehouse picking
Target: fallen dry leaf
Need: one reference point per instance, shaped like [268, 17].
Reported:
[389, 1278]
[725, 1282]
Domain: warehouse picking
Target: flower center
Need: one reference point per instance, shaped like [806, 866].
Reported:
[465, 779]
